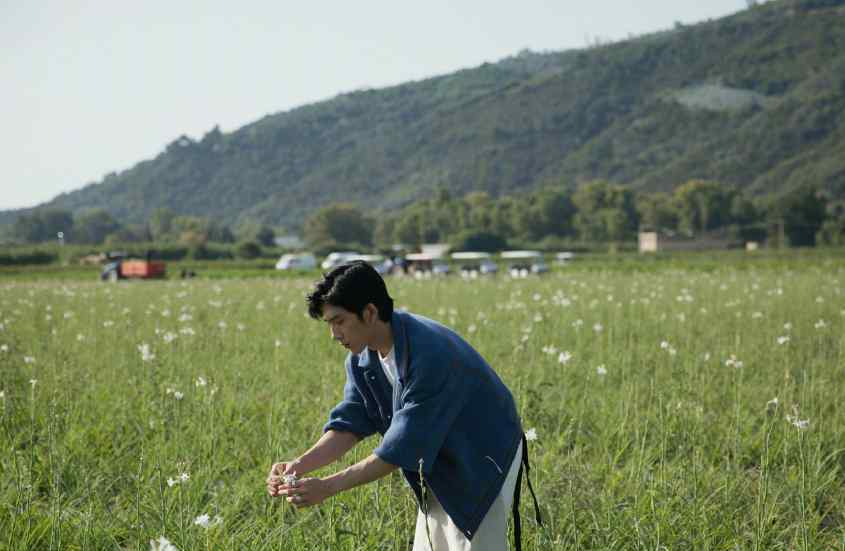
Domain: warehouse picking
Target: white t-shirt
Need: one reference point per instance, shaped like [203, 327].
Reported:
[388, 364]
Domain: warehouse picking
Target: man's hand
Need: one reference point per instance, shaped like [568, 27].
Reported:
[275, 480]
[306, 492]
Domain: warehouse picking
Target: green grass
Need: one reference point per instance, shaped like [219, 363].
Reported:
[666, 450]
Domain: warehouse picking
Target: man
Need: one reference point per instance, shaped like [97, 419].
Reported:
[440, 408]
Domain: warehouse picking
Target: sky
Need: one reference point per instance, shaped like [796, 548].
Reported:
[92, 87]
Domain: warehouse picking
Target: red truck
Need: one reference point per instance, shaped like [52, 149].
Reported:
[125, 268]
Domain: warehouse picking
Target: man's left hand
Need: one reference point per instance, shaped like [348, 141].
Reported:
[306, 492]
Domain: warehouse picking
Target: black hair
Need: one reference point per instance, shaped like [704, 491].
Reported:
[351, 286]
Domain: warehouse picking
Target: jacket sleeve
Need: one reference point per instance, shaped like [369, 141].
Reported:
[350, 415]
[434, 395]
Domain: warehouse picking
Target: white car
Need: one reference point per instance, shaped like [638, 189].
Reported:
[302, 261]
[337, 258]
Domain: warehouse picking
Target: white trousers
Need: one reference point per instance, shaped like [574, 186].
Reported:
[492, 535]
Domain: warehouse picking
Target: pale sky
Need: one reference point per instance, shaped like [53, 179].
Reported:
[87, 88]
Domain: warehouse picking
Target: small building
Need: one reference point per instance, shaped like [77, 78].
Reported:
[653, 242]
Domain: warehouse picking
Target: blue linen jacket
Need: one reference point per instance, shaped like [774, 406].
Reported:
[449, 410]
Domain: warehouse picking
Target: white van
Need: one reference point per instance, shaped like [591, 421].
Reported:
[301, 261]
[337, 258]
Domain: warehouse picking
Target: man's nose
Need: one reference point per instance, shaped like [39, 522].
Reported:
[335, 334]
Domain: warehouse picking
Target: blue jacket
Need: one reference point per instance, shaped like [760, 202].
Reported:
[448, 409]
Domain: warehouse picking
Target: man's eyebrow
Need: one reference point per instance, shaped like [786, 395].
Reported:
[331, 319]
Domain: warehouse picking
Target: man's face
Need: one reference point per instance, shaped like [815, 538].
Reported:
[349, 330]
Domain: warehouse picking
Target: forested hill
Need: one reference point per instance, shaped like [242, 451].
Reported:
[755, 100]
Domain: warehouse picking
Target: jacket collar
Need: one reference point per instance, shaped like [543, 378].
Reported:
[401, 344]
[401, 347]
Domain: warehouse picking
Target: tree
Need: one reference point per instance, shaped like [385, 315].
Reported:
[261, 234]
[802, 213]
[42, 225]
[703, 205]
[656, 211]
[605, 211]
[93, 226]
[248, 250]
[340, 223]
[161, 224]
[469, 240]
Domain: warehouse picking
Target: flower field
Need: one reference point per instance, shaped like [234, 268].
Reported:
[672, 409]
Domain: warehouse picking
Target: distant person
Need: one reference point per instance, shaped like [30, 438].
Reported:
[437, 404]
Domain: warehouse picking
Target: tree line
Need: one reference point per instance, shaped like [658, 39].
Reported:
[596, 213]
[98, 227]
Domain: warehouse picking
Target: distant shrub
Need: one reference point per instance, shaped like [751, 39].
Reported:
[24, 258]
[248, 250]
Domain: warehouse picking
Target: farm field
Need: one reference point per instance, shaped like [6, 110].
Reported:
[674, 408]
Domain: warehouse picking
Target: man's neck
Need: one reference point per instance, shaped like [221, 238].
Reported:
[382, 338]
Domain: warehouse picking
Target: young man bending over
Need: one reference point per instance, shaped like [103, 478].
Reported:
[437, 404]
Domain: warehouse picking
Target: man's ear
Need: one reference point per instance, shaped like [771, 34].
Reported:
[371, 313]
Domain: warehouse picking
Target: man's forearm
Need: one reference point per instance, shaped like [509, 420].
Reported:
[367, 470]
[328, 449]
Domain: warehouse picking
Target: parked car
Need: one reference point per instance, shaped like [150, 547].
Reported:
[337, 258]
[300, 261]
[474, 264]
[524, 263]
[426, 265]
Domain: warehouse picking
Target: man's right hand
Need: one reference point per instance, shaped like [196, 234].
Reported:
[275, 480]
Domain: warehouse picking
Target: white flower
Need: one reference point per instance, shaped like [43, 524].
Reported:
[278, 343]
[598, 328]
[801, 424]
[4, 347]
[2, 394]
[783, 340]
[169, 337]
[757, 315]
[33, 382]
[601, 370]
[184, 477]
[733, 362]
[108, 323]
[200, 382]
[28, 360]
[162, 544]
[472, 328]
[240, 326]
[577, 323]
[707, 356]
[206, 522]
[178, 395]
[531, 435]
[821, 324]
[172, 482]
[564, 357]
[772, 404]
[187, 331]
[221, 324]
[146, 355]
[787, 326]
[185, 317]
[664, 345]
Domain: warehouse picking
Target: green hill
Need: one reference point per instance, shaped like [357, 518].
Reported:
[755, 100]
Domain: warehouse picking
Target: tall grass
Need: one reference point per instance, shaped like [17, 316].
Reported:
[652, 394]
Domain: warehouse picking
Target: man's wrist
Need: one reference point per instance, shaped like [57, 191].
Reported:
[333, 483]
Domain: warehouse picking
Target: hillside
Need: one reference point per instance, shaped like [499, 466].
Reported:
[755, 100]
